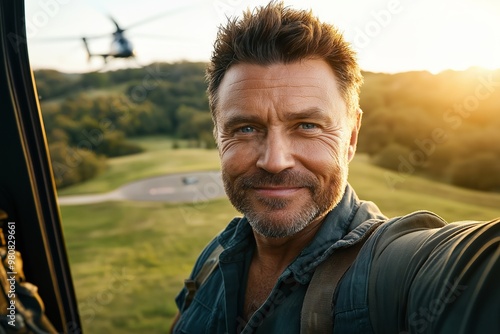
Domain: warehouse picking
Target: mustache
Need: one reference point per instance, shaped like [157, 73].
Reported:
[287, 178]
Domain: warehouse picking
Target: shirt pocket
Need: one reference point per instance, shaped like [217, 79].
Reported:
[197, 319]
[206, 312]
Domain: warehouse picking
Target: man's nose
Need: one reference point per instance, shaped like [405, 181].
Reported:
[276, 152]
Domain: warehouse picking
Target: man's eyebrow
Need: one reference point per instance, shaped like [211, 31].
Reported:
[307, 114]
[236, 120]
[311, 113]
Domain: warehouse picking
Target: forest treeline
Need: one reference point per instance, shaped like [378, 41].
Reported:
[443, 126]
[88, 117]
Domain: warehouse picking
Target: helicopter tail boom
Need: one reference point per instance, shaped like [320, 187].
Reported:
[90, 54]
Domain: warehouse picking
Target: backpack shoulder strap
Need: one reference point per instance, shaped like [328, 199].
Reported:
[207, 268]
[317, 308]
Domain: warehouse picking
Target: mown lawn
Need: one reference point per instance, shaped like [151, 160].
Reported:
[129, 259]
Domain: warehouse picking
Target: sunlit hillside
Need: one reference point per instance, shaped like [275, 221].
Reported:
[443, 126]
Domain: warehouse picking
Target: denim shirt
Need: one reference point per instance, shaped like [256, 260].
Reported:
[216, 305]
[414, 274]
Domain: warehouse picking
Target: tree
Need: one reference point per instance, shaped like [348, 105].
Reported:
[481, 172]
[114, 144]
[71, 165]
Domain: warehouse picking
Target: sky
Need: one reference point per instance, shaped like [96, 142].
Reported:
[388, 35]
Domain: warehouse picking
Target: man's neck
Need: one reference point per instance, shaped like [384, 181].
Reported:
[271, 257]
[277, 253]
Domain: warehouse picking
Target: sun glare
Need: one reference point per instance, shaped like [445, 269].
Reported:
[430, 36]
[468, 38]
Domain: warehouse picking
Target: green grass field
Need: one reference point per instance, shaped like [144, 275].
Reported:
[129, 259]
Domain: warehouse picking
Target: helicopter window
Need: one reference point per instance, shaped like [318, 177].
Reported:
[129, 134]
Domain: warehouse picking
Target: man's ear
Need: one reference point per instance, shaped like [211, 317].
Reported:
[354, 134]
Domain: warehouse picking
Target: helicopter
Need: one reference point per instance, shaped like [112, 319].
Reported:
[121, 47]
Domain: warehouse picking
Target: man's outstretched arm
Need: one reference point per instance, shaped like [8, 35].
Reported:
[438, 280]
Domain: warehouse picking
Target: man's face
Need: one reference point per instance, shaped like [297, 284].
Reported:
[285, 142]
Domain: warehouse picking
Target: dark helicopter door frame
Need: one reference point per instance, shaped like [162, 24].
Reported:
[27, 190]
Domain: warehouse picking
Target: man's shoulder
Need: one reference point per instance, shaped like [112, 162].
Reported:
[428, 226]
[418, 225]
[414, 221]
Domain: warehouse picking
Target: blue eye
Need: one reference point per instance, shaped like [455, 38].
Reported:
[307, 126]
[247, 129]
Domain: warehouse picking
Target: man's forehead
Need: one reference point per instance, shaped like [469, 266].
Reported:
[311, 77]
[306, 70]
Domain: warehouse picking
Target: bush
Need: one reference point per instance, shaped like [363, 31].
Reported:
[114, 144]
[390, 156]
[481, 172]
[71, 165]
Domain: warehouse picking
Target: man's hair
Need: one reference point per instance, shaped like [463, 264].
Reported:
[279, 34]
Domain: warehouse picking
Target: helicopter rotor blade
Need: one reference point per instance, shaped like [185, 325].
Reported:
[55, 39]
[159, 16]
[66, 38]
[118, 28]
[156, 36]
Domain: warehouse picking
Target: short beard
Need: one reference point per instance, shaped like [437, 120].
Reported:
[293, 224]
[323, 200]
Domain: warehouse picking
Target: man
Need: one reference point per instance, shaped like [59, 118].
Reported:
[283, 91]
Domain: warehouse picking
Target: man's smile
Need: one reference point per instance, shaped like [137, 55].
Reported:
[277, 191]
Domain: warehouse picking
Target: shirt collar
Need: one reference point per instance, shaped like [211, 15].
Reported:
[344, 225]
